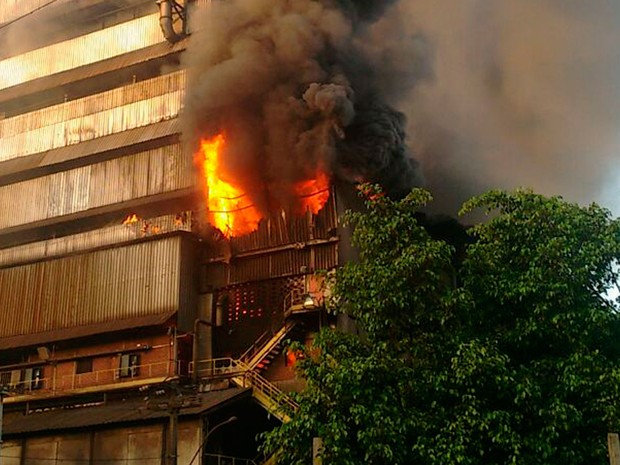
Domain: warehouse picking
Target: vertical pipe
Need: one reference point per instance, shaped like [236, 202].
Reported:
[173, 435]
[2, 394]
[1, 412]
[196, 345]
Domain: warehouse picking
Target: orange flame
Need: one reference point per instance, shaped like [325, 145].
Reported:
[230, 208]
[313, 193]
[133, 218]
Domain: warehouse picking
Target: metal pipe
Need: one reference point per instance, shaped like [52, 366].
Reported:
[173, 439]
[165, 21]
[3, 393]
[196, 346]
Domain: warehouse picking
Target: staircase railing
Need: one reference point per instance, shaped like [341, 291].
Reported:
[276, 401]
[224, 367]
[258, 351]
[256, 346]
[217, 459]
[272, 398]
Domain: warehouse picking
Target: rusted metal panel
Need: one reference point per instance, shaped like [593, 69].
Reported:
[155, 171]
[94, 239]
[136, 280]
[250, 269]
[80, 51]
[326, 221]
[325, 257]
[73, 125]
[12, 453]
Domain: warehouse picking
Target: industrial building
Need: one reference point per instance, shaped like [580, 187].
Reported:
[131, 330]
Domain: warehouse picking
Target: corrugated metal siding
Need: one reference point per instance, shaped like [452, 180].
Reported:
[282, 229]
[155, 171]
[11, 9]
[293, 234]
[94, 239]
[83, 50]
[88, 148]
[70, 77]
[74, 130]
[93, 104]
[137, 280]
[325, 256]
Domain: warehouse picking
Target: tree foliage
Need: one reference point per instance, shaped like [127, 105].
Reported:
[510, 357]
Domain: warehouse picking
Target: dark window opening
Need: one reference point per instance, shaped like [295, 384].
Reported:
[84, 365]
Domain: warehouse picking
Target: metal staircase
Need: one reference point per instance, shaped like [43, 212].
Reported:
[272, 398]
[260, 354]
[245, 371]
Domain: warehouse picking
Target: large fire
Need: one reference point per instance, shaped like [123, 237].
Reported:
[231, 209]
[313, 193]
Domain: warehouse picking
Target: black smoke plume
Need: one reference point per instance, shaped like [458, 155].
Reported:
[295, 87]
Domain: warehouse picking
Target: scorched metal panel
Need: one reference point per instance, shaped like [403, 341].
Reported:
[93, 239]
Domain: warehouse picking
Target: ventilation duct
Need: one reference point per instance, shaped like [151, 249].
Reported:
[169, 10]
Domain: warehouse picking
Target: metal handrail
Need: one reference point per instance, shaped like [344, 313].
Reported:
[93, 378]
[243, 375]
[227, 460]
[225, 367]
[256, 346]
[269, 345]
[266, 387]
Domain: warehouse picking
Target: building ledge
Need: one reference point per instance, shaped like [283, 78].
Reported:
[128, 411]
[87, 220]
[42, 395]
[88, 79]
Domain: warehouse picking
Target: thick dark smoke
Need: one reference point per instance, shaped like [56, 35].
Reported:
[526, 93]
[496, 94]
[294, 87]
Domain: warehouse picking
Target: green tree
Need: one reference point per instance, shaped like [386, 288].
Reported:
[508, 358]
